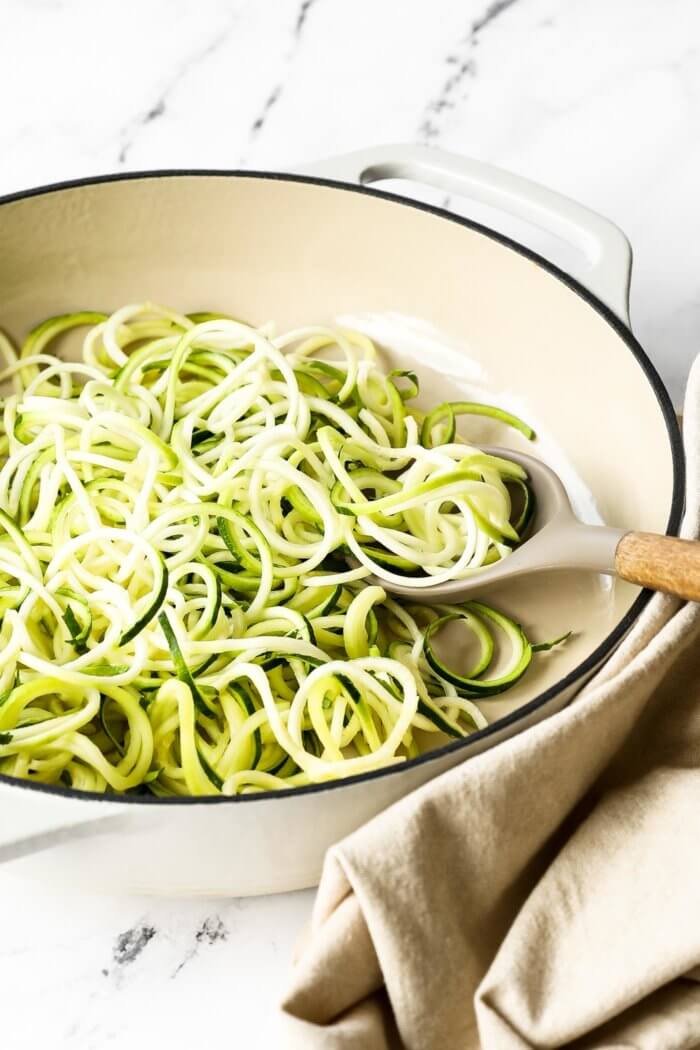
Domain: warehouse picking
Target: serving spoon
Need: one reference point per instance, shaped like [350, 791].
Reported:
[559, 540]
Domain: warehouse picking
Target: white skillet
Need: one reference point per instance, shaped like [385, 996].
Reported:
[312, 247]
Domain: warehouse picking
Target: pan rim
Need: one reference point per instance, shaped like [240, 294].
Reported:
[578, 674]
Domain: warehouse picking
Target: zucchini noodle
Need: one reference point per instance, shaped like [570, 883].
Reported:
[188, 517]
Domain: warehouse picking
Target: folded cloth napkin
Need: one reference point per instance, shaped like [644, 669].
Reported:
[543, 894]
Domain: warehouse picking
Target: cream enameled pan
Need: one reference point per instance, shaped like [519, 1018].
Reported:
[476, 313]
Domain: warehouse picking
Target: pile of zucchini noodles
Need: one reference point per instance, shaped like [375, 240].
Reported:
[188, 515]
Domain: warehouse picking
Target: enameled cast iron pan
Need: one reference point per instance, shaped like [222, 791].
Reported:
[474, 312]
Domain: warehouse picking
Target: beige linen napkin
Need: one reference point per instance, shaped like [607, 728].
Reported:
[543, 894]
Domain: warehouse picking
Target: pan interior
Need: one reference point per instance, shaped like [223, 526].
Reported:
[476, 318]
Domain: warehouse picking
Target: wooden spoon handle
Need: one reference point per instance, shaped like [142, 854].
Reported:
[662, 563]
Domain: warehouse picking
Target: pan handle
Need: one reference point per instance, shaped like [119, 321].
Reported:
[601, 242]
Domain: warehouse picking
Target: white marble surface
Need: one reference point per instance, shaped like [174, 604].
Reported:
[598, 98]
[108, 973]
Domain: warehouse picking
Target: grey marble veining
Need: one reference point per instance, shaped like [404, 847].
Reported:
[139, 973]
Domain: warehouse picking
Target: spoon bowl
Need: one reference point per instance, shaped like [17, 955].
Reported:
[558, 540]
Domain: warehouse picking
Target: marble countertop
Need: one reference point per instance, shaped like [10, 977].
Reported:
[599, 100]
